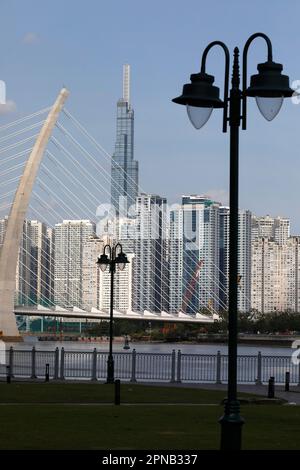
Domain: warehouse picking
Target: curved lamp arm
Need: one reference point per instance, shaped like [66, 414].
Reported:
[245, 54]
[118, 246]
[109, 249]
[226, 78]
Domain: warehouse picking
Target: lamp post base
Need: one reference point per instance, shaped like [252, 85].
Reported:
[231, 426]
[110, 371]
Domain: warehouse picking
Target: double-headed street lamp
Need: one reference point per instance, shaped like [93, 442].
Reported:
[269, 87]
[115, 257]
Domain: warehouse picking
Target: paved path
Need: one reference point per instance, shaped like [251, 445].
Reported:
[292, 397]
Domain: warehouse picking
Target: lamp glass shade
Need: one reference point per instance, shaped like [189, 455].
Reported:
[103, 267]
[269, 106]
[121, 266]
[198, 115]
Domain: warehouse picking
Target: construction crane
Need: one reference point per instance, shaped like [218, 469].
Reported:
[191, 286]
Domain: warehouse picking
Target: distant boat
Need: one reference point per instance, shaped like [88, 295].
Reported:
[126, 343]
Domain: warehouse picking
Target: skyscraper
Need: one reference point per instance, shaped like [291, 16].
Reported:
[274, 228]
[96, 283]
[150, 248]
[244, 259]
[124, 169]
[70, 237]
[194, 255]
[35, 264]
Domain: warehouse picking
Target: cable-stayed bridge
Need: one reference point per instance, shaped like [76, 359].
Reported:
[53, 170]
[95, 314]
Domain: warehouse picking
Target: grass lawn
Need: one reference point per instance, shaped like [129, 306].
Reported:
[102, 393]
[50, 425]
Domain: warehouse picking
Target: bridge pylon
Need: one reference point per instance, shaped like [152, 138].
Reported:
[10, 248]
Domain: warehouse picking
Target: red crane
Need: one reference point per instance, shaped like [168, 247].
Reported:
[191, 286]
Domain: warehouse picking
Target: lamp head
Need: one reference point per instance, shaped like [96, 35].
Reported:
[200, 97]
[103, 262]
[200, 92]
[121, 260]
[269, 87]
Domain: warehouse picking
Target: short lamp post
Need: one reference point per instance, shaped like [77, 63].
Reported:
[115, 257]
[269, 87]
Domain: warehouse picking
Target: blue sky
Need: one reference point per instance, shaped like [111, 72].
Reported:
[84, 44]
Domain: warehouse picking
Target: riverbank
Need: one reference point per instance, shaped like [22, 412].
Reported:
[243, 339]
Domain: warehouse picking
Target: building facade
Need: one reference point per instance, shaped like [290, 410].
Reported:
[151, 282]
[70, 238]
[96, 283]
[275, 275]
[244, 259]
[194, 255]
[35, 263]
[274, 228]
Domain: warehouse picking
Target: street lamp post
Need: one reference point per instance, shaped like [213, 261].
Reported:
[116, 257]
[269, 87]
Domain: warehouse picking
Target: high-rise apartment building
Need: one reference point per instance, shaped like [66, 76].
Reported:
[275, 275]
[244, 259]
[274, 228]
[124, 169]
[194, 255]
[33, 274]
[151, 282]
[96, 283]
[70, 238]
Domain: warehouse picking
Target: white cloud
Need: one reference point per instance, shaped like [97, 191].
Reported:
[30, 38]
[219, 195]
[8, 107]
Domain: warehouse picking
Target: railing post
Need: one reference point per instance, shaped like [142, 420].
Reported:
[287, 382]
[133, 366]
[218, 371]
[173, 367]
[33, 358]
[299, 375]
[47, 373]
[178, 367]
[271, 387]
[117, 392]
[8, 376]
[259, 369]
[94, 366]
[11, 361]
[62, 364]
[56, 364]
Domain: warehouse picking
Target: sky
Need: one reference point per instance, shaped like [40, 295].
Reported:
[83, 45]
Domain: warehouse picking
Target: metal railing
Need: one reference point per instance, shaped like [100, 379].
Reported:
[156, 367]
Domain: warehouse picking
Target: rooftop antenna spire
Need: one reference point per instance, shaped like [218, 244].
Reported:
[126, 82]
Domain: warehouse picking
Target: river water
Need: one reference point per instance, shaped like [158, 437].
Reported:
[152, 347]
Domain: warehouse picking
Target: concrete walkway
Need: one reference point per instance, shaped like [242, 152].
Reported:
[293, 396]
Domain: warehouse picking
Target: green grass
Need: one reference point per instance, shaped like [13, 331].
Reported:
[49, 416]
[141, 427]
[102, 393]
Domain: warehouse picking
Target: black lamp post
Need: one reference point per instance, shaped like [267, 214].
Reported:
[116, 256]
[269, 87]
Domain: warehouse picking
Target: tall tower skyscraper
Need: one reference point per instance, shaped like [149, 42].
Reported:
[124, 169]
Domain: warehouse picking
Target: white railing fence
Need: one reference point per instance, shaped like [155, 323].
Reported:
[152, 367]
